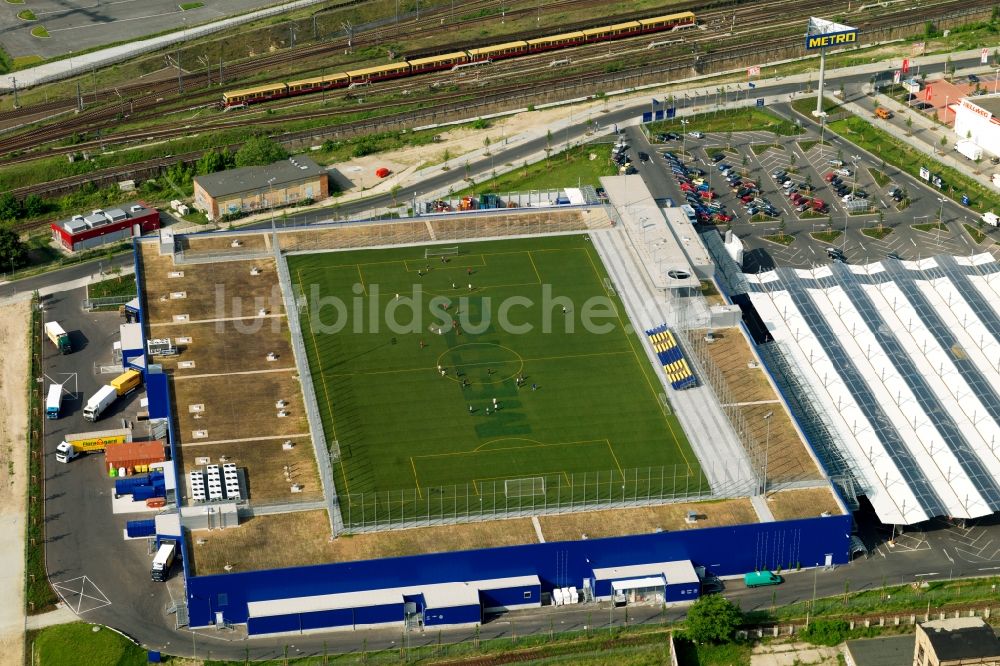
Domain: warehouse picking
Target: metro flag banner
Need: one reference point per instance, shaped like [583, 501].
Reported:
[753, 71]
[897, 76]
[984, 56]
[927, 92]
[906, 65]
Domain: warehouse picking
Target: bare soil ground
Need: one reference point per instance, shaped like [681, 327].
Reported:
[248, 242]
[229, 347]
[803, 503]
[212, 291]
[788, 457]
[251, 546]
[270, 470]
[14, 323]
[245, 409]
[645, 520]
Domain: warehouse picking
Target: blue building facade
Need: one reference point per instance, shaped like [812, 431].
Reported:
[731, 550]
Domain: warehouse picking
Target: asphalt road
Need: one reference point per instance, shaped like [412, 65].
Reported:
[85, 548]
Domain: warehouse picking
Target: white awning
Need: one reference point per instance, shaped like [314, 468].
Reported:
[637, 583]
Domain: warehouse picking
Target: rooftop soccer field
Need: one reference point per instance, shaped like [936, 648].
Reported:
[497, 375]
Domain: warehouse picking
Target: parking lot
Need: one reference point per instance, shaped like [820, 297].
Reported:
[93, 570]
[866, 230]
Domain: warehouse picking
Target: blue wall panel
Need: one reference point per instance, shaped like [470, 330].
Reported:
[725, 550]
[272, 625]
[511, 596]
[456, 615]
[378, 614]
[682, 592]
[332, 618]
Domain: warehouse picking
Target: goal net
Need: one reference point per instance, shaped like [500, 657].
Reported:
[528, 487]
[440, 251]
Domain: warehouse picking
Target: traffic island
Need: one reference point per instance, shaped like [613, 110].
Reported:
[27, 15]
[40, 32]
[878, 233]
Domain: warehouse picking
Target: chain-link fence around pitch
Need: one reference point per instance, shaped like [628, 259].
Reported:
[536, 495]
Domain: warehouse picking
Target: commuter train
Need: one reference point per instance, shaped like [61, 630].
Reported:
[416, 66]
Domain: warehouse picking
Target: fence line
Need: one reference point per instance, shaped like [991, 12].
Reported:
[324, 455]
[550, 494]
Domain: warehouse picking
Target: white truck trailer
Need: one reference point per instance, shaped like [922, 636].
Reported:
[969, 149]
[99, 402]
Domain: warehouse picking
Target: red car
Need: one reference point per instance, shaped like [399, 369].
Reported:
[829, 177]
[818, 203]
[707, 195]
[796, 198]
[722, 217]
[747, 199]
[686, 187]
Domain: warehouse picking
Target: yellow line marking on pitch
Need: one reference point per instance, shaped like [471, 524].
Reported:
[534, 267]
[638, 360]
[416, 479]
[611, 449]
[507, 448]
[361, 277]
[326, 394]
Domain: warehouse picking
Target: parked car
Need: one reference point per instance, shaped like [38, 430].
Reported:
[696, 135]
[718, 157]
[643, 157]
[724, 166]
[829, 177]
[844, 172]
[973, 78]
[835, 163]
[860, 194]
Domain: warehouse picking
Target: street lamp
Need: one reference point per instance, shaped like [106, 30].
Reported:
[767, 447]
[684, 135]
[996, 78]
[941, 201]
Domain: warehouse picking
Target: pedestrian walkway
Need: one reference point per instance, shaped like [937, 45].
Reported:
[64, 286]
[61, 615]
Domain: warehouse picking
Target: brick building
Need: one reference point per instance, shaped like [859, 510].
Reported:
[955, 641]
[253, 189]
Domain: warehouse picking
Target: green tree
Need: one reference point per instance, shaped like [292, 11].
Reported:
[713, 619]
[12, 249]
[34, 205]
[259, 151]
[10, 207]
[211, 162]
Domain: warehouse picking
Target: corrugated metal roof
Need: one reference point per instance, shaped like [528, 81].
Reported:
[486, 50]
[455, 55]
[131, 336]
[255, 179]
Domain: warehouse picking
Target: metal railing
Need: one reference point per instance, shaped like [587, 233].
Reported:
[553, 494]
[325, 451]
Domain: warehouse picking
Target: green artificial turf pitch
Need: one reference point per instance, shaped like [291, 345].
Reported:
[406, 433]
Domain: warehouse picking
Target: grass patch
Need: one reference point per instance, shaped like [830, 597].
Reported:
[780, 239]
[760, 148]
[190, 5]
[901, 156]
[732, 120]
[826, 236]
[806, 105]
[879, 177]
[406, 430]
[38, 595]
[27, 15]
[20, 62]
[929, 227]
[78, 643]
[121, 285]
[977, 235]
[15, 2]
[690, 653]
[878, 233]
[806, 145]
[40, 32]
[570, 168]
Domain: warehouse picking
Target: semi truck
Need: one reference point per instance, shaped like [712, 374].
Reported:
[163, 560]
[121, 385]
[53, 401]
[58, 337]
[133, 457]
[75, 445]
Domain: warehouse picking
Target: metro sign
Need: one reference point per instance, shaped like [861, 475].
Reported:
[834, 39]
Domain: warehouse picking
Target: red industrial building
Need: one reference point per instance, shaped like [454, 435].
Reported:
[82, 232]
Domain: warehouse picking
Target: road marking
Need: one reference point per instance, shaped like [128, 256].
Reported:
[137, 18]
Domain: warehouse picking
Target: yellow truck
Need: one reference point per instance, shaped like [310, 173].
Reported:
[126, 382]
[77, 444]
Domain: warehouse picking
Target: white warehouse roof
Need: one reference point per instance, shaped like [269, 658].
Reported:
[903, 361]
[680, 571]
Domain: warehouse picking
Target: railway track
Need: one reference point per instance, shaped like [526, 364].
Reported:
[496, 95]
[149, 106]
